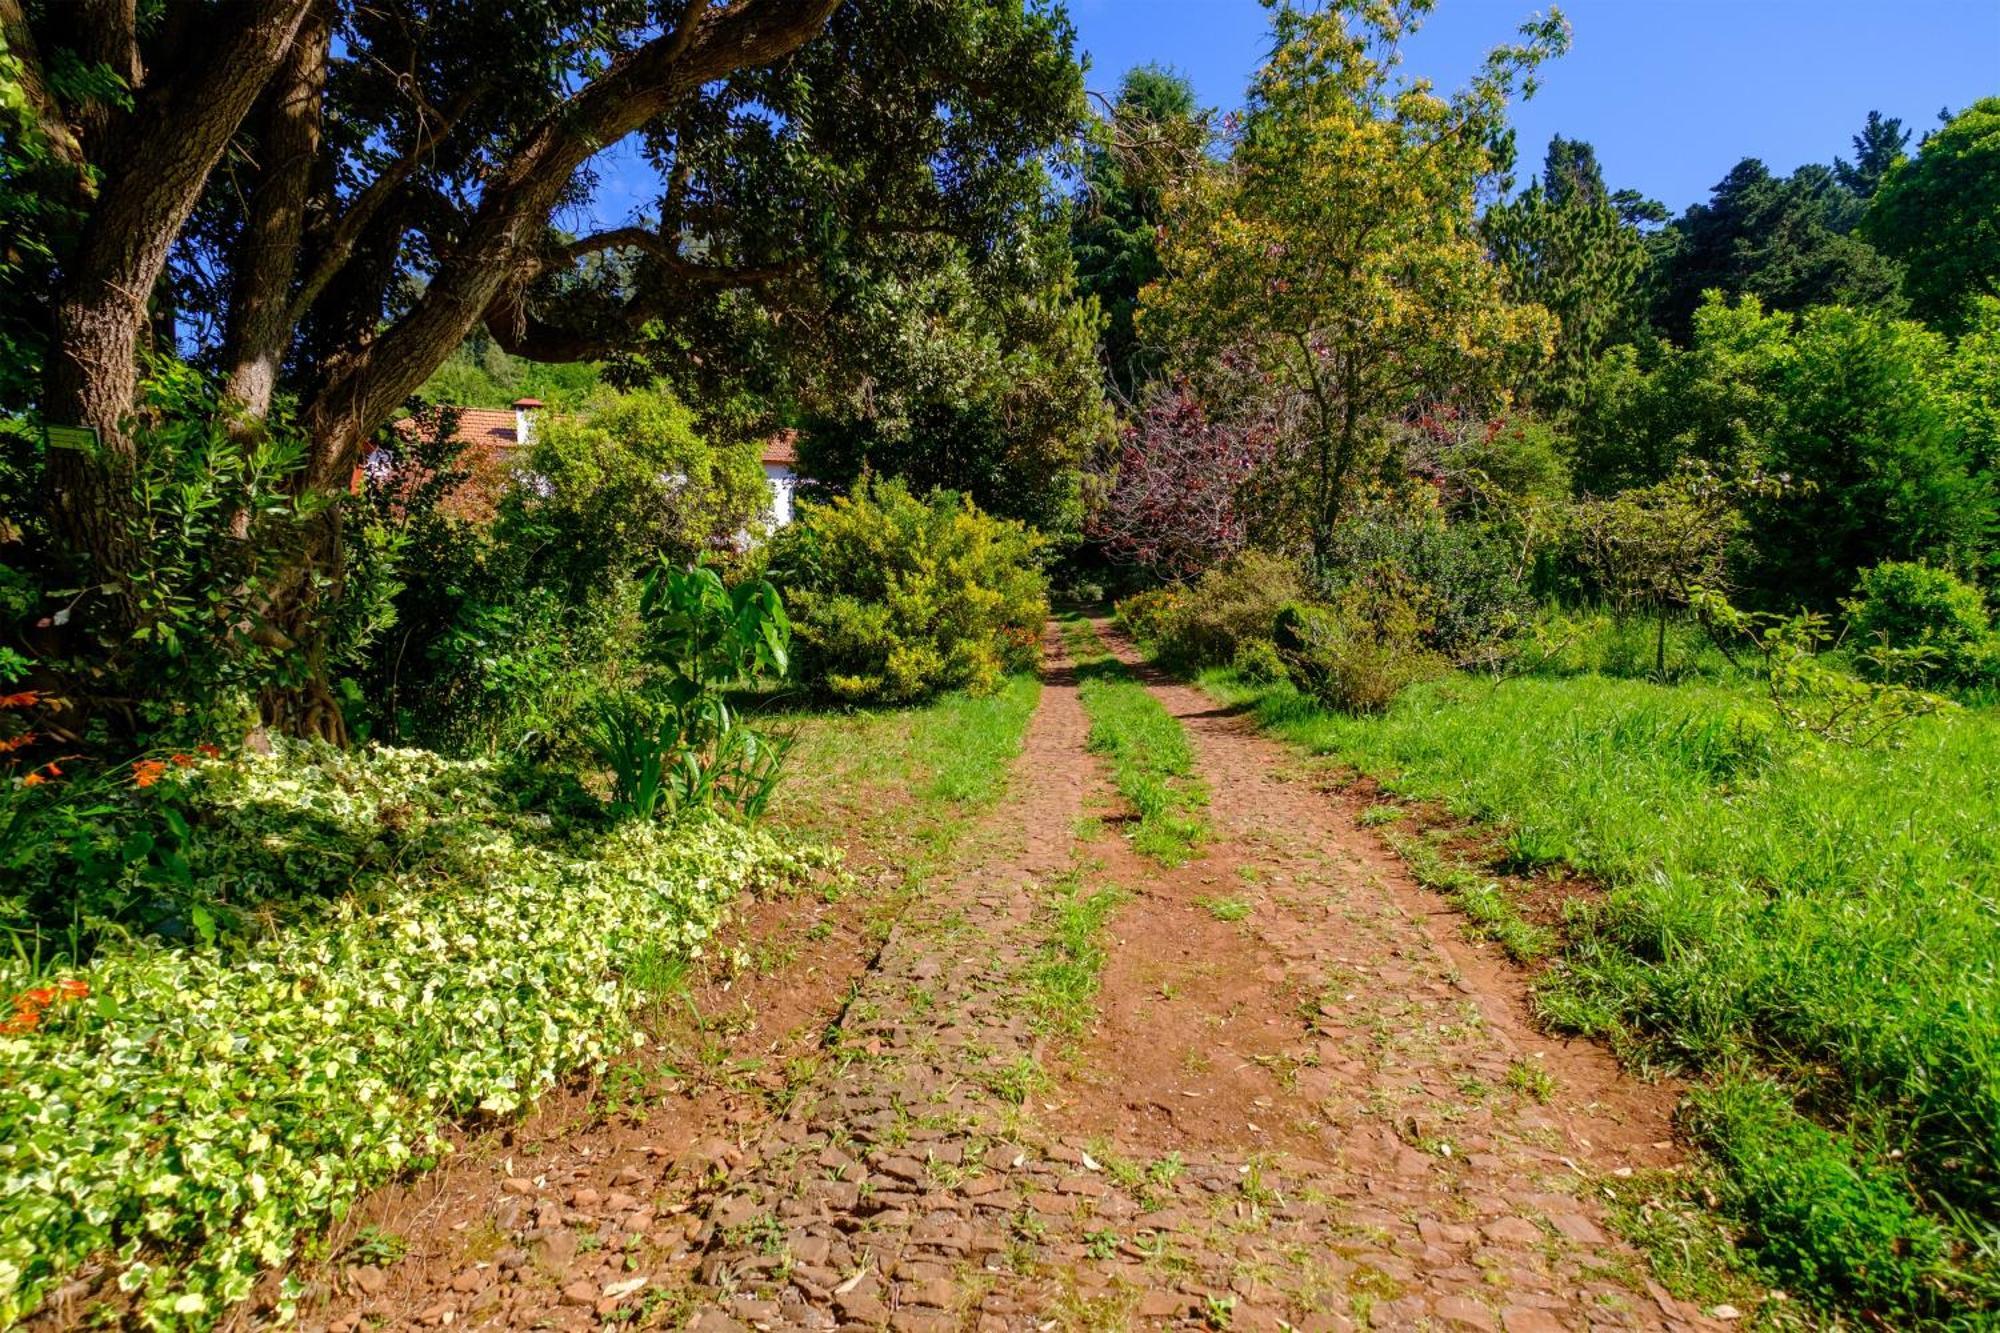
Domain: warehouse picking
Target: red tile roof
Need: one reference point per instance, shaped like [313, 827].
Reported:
[490, 456]
[782, 449]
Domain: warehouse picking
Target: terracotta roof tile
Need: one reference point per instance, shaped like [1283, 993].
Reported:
[782, 448]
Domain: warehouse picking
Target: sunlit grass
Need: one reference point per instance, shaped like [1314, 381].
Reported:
[1816, 926]
[1152, 764]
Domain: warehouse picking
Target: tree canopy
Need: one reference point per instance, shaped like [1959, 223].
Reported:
[1939, 213]
[1340, 251]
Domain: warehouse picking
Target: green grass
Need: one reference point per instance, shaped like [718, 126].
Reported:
[942, 764]
[1815, 927]
[1062, 979]
[1152, 764]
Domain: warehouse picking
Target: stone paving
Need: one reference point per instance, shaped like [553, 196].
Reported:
[914, 1185]
[1306, 1114]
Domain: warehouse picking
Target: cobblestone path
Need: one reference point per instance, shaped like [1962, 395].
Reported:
[951, 1167]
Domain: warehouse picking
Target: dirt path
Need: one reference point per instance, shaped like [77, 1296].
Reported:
[1306, 1102]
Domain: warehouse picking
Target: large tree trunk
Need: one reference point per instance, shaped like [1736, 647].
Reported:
[152, 180]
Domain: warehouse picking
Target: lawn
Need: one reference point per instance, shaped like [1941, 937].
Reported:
[1815, 928]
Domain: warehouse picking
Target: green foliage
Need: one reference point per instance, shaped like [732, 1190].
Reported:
[1877, 425]
[480, 374]
[1152, 138]
[1146, 615]
[1789, 241]
[511, 634]
[1360, 653]
[1824, 1215]
[1152, 763]
[1232, 605]
[895, 598]
[980, 377]
[1462, 580]
[1565, 245]
[1906, 606]
[179, 645]
[678, 743]
[625, 483]
[1866, 425]
[1336, 266]
[199, 1107]
[1939, 212]
[1819, 911]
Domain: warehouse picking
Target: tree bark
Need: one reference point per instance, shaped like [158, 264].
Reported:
[260, 319]
[152, 180]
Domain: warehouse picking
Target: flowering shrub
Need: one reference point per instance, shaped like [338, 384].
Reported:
[183, 1114]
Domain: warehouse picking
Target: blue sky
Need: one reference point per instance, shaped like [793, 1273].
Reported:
[1672, 92]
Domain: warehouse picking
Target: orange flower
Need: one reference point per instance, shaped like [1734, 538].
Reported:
[72, 988]
[24, 699]
[209, 751]
[146, 772]
[33, 780]
[181, 760]
[24, 1020]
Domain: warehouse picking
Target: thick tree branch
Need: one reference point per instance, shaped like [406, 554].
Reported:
[260, 324]
[361, 210]
[514, 208]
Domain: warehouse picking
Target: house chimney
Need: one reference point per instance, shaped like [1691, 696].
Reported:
[524, 418]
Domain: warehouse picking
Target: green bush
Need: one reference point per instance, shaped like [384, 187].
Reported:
[895, 598]
[678, 743]
[1144, 615]
[1357, 656]
[1232, 604]
[1461, 578]
[1258, 660]
[183, 1114]
[1914, 608]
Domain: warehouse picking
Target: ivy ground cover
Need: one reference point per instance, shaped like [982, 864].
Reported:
[185, 1113]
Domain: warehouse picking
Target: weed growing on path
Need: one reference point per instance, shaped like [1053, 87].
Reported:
[1152, 764]
[1063, 976]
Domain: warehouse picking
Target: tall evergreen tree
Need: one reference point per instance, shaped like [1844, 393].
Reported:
[1787, 240]
[1153, 135]
[1565, 244]
[1878, 147]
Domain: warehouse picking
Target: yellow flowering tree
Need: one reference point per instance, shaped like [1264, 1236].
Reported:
[1336, 256]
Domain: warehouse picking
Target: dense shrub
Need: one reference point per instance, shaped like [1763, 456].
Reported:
[1908, 606]
[1462, 579]
[896, 598]
[1357, 655]
[1145, 615]
[509, 635]
[183, 1113]
[677, 743]
[1233, 604]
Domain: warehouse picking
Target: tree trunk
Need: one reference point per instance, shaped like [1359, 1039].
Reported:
[260, 322]
[151, 183]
